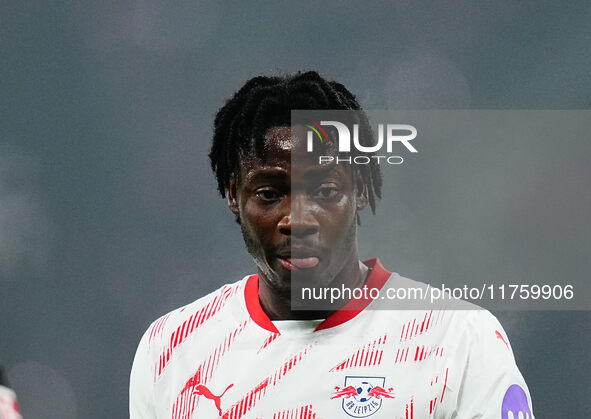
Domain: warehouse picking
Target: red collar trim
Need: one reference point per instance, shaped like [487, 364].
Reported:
[376, 280]
[253, 305]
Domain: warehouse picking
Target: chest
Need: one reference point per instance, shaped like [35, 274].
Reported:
[366, 372]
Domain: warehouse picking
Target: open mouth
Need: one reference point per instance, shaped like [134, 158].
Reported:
[296, 264]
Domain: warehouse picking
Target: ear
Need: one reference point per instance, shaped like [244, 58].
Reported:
[361, 191]
[232, 197]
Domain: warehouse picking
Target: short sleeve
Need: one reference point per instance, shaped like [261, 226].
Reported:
[492, 386]
[141, 391]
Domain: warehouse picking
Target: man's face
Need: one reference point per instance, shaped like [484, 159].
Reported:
[298, 217]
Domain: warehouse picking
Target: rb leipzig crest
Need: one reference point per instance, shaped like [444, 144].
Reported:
[362, 396]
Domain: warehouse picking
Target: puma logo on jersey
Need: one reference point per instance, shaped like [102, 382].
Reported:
[205, 392]
[499, 336]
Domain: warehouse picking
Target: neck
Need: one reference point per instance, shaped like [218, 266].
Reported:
[277, 305]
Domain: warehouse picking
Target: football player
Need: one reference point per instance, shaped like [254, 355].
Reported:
[244, 352]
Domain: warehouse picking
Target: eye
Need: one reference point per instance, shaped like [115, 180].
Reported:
[268, 195]
[328, 191]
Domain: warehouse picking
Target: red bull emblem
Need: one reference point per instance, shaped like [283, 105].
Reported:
[378, 392]
[362, 396]
[344, 392]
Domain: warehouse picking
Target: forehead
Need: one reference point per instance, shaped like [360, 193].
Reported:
[285, 149]
[284, 142]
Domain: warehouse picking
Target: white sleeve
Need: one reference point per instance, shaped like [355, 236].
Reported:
[492, 386]
[141, 384]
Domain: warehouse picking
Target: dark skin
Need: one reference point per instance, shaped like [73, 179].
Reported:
[299, 220]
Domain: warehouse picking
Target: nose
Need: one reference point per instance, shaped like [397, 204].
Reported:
[299, 220]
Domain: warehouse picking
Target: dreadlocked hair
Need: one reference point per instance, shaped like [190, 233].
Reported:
[264, 102]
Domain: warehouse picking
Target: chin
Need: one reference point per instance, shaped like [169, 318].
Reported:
[281, 287]
[277, 279]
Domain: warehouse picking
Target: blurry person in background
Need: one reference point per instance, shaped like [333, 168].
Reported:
[8, 405]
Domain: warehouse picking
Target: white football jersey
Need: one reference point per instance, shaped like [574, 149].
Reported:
[221, 357]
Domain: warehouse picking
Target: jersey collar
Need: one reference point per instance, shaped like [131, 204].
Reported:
[376, 280]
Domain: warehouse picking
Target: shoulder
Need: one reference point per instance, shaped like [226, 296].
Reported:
[461, 321]
[482, 332]
[177, 324]
[484, 379]
[162, 339]
[489, 380]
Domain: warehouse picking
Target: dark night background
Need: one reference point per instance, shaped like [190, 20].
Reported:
[109, 215]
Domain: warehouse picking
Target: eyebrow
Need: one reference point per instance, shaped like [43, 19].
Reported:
[279, 174]
[266, 174]
[322, 171]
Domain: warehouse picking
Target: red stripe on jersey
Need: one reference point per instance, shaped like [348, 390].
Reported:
[185, 402]
[379, 361]
[182, 334]
[359, 351]
[241, 407]
[404, 355]
[267, 341]
[341, 366]
[195, 320]
[417, 327]
[421, 353]
[407, 330]
[368, 355]
[429, 319]
[304, 412]
[158, 326]
[444, 386]
[410, 409]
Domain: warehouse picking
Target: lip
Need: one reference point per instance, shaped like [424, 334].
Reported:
[297, 264]
[297, 257]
